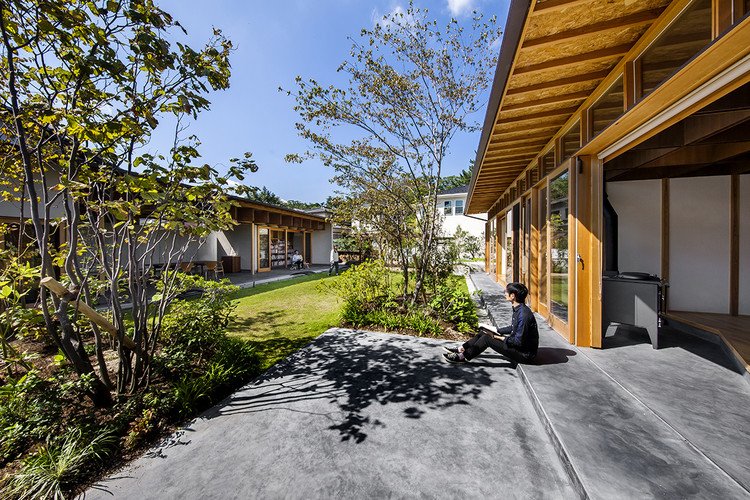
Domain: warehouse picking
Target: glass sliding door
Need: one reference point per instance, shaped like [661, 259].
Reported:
[509, 262]
[264, 262]
[278, 249]
[492, 251]
[543, 253]
[559, 208]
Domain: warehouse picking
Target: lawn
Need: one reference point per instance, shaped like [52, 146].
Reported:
[279, 318]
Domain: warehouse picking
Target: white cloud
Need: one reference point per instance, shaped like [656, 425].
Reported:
[384, 19]
[460, 7]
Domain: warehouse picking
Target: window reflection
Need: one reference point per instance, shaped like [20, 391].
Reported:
[558, 226]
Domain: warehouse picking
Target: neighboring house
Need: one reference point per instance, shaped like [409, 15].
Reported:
[616, 140]
[264, 238]
[451, 204]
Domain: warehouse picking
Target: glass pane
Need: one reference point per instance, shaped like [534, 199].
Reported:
[548, 162]
[682, 40]
[571, 141]
[509, 246]
[278, 249]
[526, 241]
[447, 208]
[459, 207]
[558, 225]
[263, 246]
[308, 247]
[493, 248]
[607, 108]
[543, 246]
[500, 255]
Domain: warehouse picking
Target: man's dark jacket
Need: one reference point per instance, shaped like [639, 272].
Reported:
[522, 334]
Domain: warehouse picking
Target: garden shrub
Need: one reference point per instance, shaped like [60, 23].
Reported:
[454, 305]
[48, 472]
[365, 285]
[29, 409]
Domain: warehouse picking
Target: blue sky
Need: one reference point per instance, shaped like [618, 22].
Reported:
[275, 42]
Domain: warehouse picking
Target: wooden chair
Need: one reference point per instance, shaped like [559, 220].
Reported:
[186, 267]
[210, 269]
[219, 269]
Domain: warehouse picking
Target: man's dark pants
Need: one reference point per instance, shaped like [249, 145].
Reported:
[481, 341]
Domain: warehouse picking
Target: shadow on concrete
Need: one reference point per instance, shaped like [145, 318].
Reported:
[671, 338]
[552, 355]
[356, 372]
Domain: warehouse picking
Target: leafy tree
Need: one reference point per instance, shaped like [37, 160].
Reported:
[84, 85]
[265, 195]
[412, 87]
[454, 181]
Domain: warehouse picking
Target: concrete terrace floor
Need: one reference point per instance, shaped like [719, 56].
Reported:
[359, 415]
[633, 422]
[371, 415]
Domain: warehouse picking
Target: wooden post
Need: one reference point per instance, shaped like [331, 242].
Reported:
[586, 266]
[58, 289]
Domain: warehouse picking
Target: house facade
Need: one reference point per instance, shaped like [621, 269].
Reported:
[616, 140]
[265, 236]
[451, 204]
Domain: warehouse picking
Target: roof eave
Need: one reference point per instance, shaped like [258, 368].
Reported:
[514, 25]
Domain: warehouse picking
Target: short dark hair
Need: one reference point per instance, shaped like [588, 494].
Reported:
[519, 290]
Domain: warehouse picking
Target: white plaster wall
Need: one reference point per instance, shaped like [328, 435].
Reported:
[744, 297]
[238, 241]
[699, 244]
[208, 248]
[322, 242]
[638, 207]
[473, 226]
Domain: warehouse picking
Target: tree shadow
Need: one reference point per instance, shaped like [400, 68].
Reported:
[353, 371]
[239, 324]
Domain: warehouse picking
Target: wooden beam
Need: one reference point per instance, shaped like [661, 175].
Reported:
[556, 5]
[554, 123]
[502, 146]
[519, 147]
[516, 136]
[700, 154]
[562, 82]
[637, 19]
[538, 116]
[588, 57]
[573, 96]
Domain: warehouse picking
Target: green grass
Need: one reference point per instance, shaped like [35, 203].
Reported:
[279, 318]
[560, 289]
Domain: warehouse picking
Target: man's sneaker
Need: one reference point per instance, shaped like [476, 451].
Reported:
[450, 348]
[452, 357]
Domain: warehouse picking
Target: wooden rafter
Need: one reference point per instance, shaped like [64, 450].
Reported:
[562, 82]
[637, 19]
[572, 97]
[538, 116]
[554, 5]
[503, 146]
[588, 57]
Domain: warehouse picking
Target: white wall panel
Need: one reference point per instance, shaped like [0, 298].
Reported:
[745, 244]
[699, 244]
